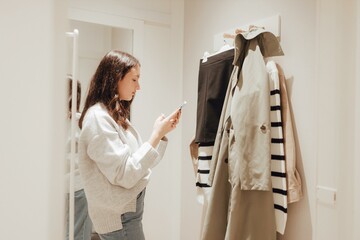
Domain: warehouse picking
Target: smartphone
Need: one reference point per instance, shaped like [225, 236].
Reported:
[183, 104]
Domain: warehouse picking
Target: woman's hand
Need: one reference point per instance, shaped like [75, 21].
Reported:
[164, 125]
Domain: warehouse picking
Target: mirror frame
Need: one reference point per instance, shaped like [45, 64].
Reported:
[110, 20]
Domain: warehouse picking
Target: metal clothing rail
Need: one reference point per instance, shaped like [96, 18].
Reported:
[75, 36]
[271, 24]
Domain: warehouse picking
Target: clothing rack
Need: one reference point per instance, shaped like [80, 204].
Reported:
[75, 36]
[239, 30]
[271, 24]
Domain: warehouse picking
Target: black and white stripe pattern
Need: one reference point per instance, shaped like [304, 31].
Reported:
[278, 167]
[203, 169]
[204, 158]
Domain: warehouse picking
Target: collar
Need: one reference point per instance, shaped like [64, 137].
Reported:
[267, 41]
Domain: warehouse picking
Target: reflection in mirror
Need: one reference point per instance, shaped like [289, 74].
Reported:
[94, 41]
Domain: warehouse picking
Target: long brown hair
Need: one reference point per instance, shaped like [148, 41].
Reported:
[103, 86]
[78, 90]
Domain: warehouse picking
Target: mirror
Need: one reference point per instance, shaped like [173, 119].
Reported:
[96, 37]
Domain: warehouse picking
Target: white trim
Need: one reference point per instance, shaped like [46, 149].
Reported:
[177, 46]
[75, 36]
[317, 76]
[117, 8]
[114, 21]
[356, 231]
[102, 18]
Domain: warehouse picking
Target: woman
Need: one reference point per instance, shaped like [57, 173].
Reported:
[115, 164]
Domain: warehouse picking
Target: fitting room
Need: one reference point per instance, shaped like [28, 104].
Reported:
[321, 44]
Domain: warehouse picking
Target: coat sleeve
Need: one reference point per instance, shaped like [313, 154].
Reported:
[292, 175]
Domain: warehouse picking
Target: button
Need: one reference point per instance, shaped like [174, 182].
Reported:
[226, 160]
[263, 128]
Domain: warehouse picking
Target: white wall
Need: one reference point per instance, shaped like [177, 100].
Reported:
[32, 102]
[336, 119]
[122, 39]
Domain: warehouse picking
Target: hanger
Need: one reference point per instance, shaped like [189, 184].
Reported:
[224, 48]
[227, 46]
[239, 31]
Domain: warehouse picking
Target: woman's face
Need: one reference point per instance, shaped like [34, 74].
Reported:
[128, 86]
